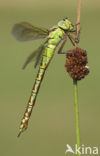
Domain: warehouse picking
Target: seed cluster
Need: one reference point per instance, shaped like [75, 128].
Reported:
[76, 63]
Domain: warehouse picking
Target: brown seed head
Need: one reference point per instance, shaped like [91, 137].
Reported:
[76, 63]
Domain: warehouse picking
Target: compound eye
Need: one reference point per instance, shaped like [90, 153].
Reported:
[65, 18]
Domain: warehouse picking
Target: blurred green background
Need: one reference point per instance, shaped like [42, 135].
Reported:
[52, 124]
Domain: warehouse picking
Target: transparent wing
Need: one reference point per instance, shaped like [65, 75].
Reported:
[25, 32]
[36, 55]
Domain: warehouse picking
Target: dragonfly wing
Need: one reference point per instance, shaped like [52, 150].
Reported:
[36, 55]
[29, 59]
[25, 32]
[38, 58]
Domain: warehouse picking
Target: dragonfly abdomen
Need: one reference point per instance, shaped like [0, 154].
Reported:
[31, 102]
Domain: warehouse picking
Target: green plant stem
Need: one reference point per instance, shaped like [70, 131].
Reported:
[76, 114]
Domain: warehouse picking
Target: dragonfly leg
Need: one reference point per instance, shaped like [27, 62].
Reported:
[72, 39]
[61, 47]
[79, 34]
[74, 33]
[77, 23]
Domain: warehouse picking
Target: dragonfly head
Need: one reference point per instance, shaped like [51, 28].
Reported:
[65, 24]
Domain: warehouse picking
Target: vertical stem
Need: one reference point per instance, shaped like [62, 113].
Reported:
[76, 114]
[75, 81]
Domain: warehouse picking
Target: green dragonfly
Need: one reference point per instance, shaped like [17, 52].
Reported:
[54, 36]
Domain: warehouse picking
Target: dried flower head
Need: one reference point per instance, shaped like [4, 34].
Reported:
[76, 63]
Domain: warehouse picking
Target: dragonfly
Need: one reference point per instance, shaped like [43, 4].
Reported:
[55, 36]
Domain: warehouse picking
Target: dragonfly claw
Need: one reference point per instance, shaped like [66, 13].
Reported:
[19, 134]
[62, 52]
